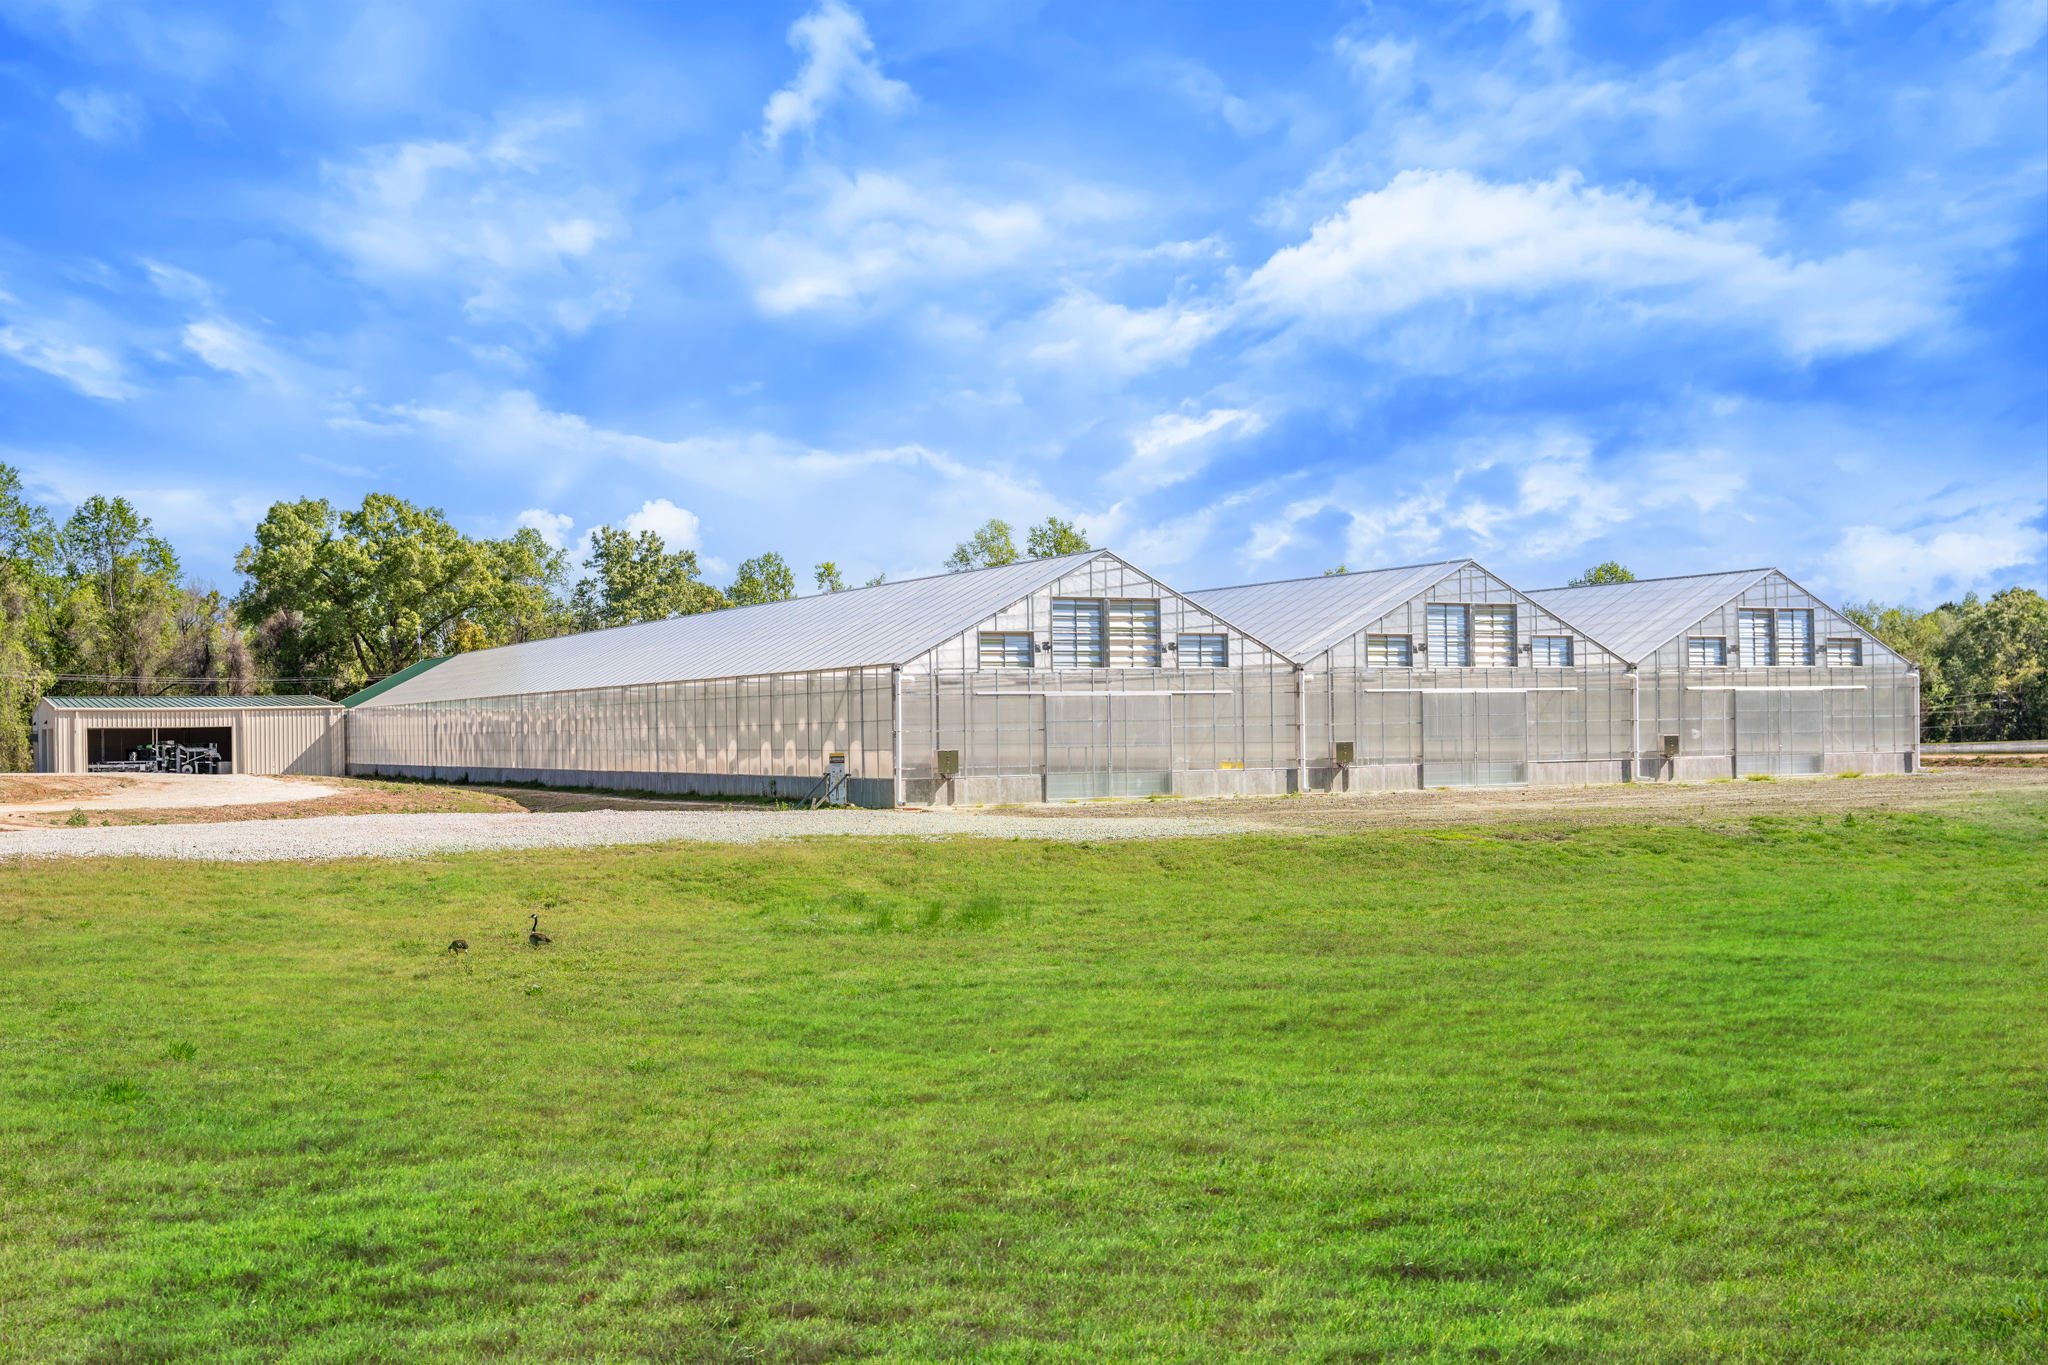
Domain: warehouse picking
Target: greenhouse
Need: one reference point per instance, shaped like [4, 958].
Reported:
[1051, 679]
[1748, 673]
[1081, 677]
[1438, 675]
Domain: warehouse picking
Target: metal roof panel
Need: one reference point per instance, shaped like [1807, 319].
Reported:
[180, 703]
[1302, 617]
[891, 623]
[1635, 619]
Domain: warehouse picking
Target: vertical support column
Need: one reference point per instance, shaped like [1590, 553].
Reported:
[1914, 674]
[1635, 722]
[896, 731]
[1300, 728]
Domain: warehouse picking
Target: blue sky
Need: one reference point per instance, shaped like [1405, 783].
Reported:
[1247, 291]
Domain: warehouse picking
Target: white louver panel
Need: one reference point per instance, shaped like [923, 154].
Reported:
[1076, 633]
[1005, 650]
[1493, 637]
[1133, 633]
[1450, 636]
[1389, 651]
[1755, 639]
[1795, 639]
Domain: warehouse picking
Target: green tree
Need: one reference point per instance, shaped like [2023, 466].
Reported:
[339, 599]
[28, 552]
[636, 578]
[877, 581]
[1056, 537]
[1332, 573]
[765, 578]
[116, 619]
[1983, 664]
[987, 548]
[827, 577]
[1610, 572]
[212, 652]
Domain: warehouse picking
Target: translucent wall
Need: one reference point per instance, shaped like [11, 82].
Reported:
[782, 725]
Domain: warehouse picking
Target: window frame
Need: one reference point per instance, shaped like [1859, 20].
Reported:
[1072, 659]
[1180, 648]
[1855, 641]
[1571, 651]
[1720, 640]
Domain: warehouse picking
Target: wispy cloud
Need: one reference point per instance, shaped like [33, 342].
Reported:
[511, 217]
[838, 60]
[108, 117]
[90, 369]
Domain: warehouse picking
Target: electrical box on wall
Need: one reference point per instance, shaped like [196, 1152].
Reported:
[949, 763]
[1346, 748]
[1670, 746]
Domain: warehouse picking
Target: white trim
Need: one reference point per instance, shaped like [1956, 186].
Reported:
[1830, 687]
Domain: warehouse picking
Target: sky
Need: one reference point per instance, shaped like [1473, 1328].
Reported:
[1246, 291]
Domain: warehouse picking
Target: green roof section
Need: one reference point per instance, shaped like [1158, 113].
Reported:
[180, 703]
[377, 689]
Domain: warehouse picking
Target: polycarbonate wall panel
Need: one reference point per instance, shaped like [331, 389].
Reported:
[1549, 713]
[1006, 723]
[782, 725]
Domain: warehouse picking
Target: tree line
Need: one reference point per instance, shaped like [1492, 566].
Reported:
[1983, 663]
[335, 598]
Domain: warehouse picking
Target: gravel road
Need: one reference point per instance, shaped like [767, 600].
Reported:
[408, 836]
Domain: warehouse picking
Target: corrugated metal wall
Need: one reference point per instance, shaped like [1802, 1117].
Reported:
[305, 740]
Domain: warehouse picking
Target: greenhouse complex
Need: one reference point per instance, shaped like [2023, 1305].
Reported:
[1080, 677]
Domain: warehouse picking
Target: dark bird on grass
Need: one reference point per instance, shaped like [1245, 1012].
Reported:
[461, 945]
[535, 936]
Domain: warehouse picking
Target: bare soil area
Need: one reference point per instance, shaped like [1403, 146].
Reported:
[96, 801]
[1706, 803]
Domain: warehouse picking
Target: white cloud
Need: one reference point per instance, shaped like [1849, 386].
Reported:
[236, 350]
[676, 526]
[867, 232]
[554, 527]
[174, 283]
[89, 369]
[1545, 17]
[107, 117]
[838, 59]
[1085, 334]
[1174, 446]
[1900, 566]
[1447, 236]
[512, 218]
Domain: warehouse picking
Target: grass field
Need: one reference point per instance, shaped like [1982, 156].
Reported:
[1549, 1093]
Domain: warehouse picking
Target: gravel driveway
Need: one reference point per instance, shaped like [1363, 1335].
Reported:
[405, 836]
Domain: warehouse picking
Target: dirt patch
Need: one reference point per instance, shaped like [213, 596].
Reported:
[1648, 803]
[21, 788]
[358, 796]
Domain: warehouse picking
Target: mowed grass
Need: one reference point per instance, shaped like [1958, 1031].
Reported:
[1600, 1093]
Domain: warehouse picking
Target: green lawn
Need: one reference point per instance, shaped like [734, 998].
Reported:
[1601, 1093]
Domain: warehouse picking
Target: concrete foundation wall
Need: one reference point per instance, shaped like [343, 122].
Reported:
[871, 792]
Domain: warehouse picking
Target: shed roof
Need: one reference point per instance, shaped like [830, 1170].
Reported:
[181, 703]
[1635, 619]
[1302, 617]
[891, 623]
